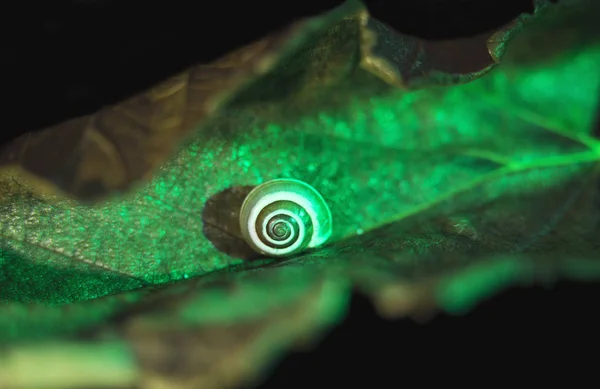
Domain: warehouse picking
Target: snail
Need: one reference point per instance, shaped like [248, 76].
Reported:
[283, 217]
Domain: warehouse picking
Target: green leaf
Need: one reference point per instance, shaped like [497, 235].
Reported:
[440, 198]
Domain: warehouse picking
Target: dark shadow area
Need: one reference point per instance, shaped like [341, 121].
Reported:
[596, 131]
[524, 334]
[447, 19]
[221, 220]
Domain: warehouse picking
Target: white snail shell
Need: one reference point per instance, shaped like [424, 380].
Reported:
[284, 216]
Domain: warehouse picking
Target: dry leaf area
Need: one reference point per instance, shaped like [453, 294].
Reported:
[453, 170]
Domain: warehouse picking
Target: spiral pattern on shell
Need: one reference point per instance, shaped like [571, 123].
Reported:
[283, 217]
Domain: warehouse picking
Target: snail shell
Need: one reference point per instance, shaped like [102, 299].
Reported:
[284, 216]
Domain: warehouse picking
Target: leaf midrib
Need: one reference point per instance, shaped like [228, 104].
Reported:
[557, 161]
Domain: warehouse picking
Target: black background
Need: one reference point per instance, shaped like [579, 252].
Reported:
[61, 59]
